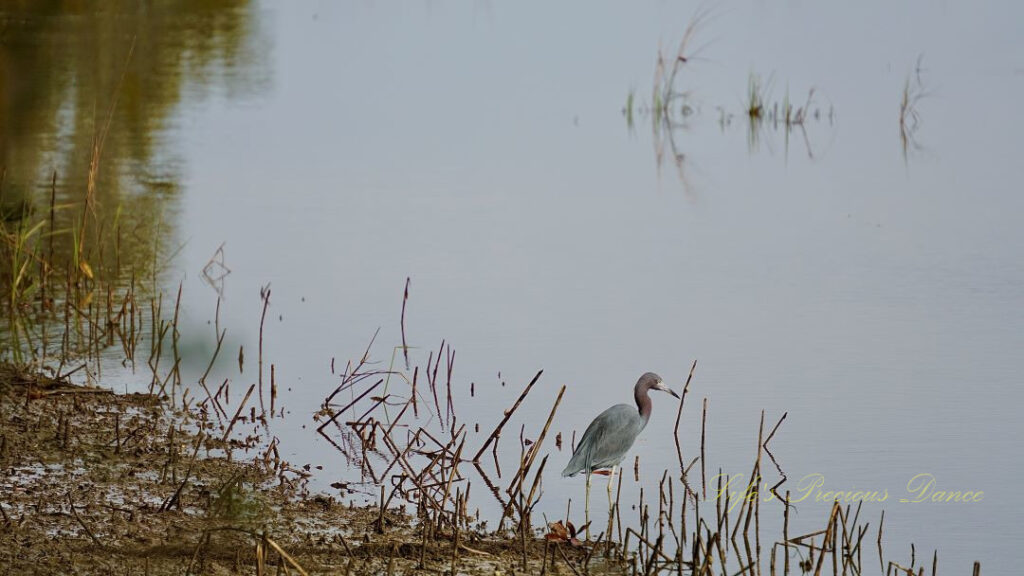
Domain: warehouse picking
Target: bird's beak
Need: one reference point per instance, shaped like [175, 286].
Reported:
[664, 388]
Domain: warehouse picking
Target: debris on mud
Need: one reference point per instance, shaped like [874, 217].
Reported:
[94, 482]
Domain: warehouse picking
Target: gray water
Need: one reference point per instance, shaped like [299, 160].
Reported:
[869, 287]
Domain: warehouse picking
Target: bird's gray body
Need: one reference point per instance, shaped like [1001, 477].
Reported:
[606, 440]
[611, 435]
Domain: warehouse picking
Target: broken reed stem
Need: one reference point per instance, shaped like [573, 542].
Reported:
[335, 416]
[749, 503]
[202, 380]
[829, 535]
[703, 429]
[415, 406]
[450, 409]
[175, 498]
[453, 472]
[175, 336]
[785, 532]
[522, 531]
[405, 347]
[352, 376]
[237, 413]
[679, 415]
[566, 558]
[285, 555]
[398, 417]
[423, 543]
[881, 523]
[265, 296]
[380, 512]
[455, 538]
[262, 543]
[535, 449]
[273, 391]
[508, 414]
[654, 548]
[411, 474]
[81, 522]
[528, 506]
[408, 446]
[432, 377]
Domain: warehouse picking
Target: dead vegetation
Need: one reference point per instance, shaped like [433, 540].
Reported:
[166, 482]
[100, 483]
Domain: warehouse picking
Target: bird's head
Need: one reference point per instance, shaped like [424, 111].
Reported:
[654, 382]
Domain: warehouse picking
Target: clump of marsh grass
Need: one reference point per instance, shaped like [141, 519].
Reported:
[754, 107]
[757, 94]
[666, 94]
[914, 91]
[796, 115]
[628, 109]
[672, 106]
[763, 111]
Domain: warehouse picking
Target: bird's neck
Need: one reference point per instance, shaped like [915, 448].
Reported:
[643, 403]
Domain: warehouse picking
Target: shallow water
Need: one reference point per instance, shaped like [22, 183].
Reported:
[870, 290]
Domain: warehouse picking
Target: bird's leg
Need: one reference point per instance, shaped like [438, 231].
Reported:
[611, 477]
[611, 506]
[586, 509]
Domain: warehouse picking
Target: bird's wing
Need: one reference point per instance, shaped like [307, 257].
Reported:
[606, 440]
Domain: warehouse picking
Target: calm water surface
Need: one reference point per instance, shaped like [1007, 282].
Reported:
[870, 288]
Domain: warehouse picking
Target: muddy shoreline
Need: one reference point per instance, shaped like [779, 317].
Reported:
[95, 482]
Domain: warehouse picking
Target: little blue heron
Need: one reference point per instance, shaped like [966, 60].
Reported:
[612, 433]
